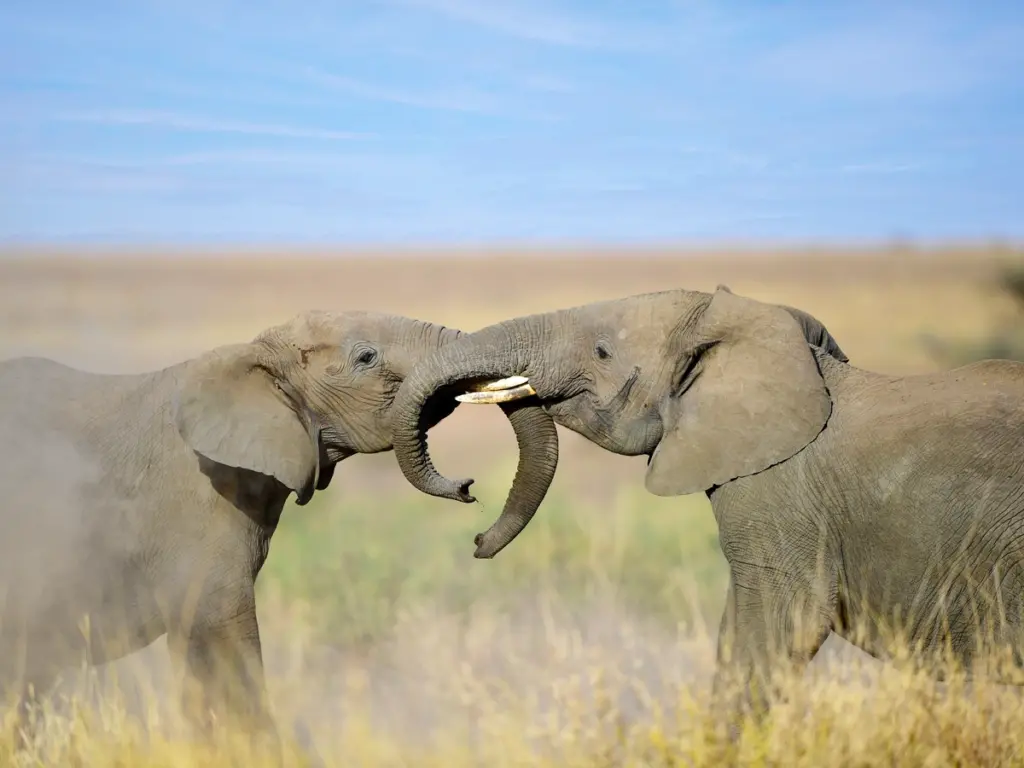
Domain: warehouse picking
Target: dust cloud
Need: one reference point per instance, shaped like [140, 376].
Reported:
[53, 504]
[43, 481]
[57, 517]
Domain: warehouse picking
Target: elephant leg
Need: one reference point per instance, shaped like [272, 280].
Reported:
[768, 622]
[220, 661]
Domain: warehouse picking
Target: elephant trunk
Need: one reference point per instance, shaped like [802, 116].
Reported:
[446, 335]
[537, 439]
[492, 353]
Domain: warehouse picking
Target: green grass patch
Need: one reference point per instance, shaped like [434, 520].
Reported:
[361, 561]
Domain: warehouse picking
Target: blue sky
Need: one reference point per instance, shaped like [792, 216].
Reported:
[470, 121]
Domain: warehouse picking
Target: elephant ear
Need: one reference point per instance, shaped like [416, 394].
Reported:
[814, 330]
[817, 334]
[234, 410]
[747, 394]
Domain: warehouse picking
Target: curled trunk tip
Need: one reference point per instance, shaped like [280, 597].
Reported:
[484, 356]
[537, 439]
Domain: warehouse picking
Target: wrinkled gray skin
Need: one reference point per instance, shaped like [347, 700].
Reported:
[147, 502]
[847, 501]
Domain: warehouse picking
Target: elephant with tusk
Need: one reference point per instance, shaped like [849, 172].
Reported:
[145, 504]
[847, 501]
[543, 348]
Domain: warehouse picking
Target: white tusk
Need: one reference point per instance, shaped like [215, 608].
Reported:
[509, 383]
[502, 396]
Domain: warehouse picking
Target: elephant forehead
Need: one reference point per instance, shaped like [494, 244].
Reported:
[646, 335]
[649, 316]
[319, 328]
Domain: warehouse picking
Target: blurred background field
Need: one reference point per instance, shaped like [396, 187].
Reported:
[371, 593]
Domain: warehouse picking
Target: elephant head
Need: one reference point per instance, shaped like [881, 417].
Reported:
[304, 395]
[710, 387]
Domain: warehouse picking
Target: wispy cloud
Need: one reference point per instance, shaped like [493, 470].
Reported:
[258, 172]
[536, 24]
[227, 157]
[901, 54]
[263, 157]
[457, 100]
[446, 99]
[254, 91]
[82, 175]
[880, 168]
[379, 165]
[199, 124]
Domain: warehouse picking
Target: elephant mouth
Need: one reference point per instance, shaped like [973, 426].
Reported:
[561, 406]
[625, 391]
[513, 388]
[439, 407]
[334, 454]
[586, 402]
[580, 411]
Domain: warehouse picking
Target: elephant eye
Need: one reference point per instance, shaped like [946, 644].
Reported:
[602, 351]
[366, 357]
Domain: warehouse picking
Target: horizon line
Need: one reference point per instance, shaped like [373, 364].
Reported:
[142, 250]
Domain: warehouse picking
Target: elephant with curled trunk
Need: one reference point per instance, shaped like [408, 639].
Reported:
[139, 505]
[878, 507]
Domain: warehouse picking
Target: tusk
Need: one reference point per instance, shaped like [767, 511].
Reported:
[503, 396]
[509, 383]
[500, 391]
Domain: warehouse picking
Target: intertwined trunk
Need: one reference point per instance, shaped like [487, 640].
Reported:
[492, 353]
[511, 348]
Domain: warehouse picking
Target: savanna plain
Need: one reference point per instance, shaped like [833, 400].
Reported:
[587, 642]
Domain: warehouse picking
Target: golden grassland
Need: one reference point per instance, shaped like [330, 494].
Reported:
[590, 640]
[587, 707]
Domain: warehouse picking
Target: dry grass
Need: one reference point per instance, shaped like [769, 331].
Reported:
[544, 688]
[587, 641]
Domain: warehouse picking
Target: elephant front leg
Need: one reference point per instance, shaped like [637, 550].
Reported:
[768, 624]
[220, 661]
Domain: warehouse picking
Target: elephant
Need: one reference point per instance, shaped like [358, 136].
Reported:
[145, 504]
[885, 509]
